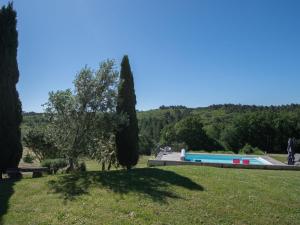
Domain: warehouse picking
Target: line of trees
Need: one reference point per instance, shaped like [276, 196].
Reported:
[222, 127]
[266, 130]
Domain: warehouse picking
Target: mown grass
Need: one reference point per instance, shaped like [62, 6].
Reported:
[279, 157]
[162, 195]
[93, 165]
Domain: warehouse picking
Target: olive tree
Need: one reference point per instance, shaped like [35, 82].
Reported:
[81, 120]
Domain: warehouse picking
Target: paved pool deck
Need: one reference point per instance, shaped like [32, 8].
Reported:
[173, 158]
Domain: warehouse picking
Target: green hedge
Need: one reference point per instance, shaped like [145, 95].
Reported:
[54, 164]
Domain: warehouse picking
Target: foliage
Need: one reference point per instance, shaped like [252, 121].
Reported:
[82, 167]
[232, 126]
[41, 144]
[127, 140]
[152, 122]
[79, 120]
[189, 131]
[168, 135]
[10, 107]
[173, 107]
[54, 164]
[248, 149]
[146, 144]
[28, 158]
[106, 152]
[258, 151]
[32, 120]
[266, 130]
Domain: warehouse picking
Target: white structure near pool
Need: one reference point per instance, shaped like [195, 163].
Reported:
[219, 160]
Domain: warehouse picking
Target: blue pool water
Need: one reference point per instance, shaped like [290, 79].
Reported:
[227, 159]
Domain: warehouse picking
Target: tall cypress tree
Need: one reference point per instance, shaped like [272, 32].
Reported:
[10, 105]
[127, 136]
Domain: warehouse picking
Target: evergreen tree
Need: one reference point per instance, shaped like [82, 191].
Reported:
[10, 105]
[127, 135]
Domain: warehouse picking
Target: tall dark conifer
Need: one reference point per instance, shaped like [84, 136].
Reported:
[10, 105]
[127, 136]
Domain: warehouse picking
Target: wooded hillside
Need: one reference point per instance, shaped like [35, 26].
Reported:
[226, 127]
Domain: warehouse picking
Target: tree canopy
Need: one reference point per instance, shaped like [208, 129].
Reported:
[127, 136]
[83, 121]
[10, 107]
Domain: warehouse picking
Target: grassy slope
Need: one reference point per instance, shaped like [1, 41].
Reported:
[165, 195]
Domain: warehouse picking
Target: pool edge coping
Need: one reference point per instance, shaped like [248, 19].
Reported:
[268, 159]
[156, 162]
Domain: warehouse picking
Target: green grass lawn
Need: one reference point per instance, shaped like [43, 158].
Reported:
[279, 157]
[161, 195]
[92, 165]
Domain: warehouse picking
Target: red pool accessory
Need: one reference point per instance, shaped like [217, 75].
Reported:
[246, 161]
[236, 161]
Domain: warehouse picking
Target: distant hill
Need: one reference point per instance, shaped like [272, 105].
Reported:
[279, 123]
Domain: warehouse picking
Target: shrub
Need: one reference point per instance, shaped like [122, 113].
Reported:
[38, 140]
[248, 149]
[257, 151]
[54, 164]
[190, 131]
[28, 158]
[82, 167]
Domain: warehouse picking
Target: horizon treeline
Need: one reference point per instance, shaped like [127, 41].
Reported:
[226, 127]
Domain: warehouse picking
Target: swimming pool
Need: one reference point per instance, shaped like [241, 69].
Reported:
[226, 159]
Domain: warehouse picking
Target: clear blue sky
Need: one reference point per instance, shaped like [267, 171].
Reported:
[182, 52]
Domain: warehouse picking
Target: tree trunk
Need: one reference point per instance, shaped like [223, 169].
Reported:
[103, 166]
[70, 167]
[109, 166]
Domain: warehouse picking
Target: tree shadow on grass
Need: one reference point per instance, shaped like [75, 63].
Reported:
[6, 191]
[151, 182]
